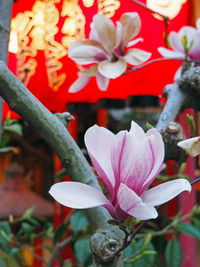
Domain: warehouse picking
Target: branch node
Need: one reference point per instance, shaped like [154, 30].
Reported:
[65, 118]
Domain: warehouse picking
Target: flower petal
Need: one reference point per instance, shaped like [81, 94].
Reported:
[86, 54]
[191, 146]
[131, 24]
[165, 192]
[198, 24]
[77, 195]
[98, 141]
[132, 204]
[158, 153]
[102, 82]
[134, 42]
[136, 56]
[84, 42]
[176, 42]
[89, 72]
[79, 84]
[188, 32]
[132, 159]
[137, 131]
[112, 70]
[170, 54]
[105, 29]
[194, 52]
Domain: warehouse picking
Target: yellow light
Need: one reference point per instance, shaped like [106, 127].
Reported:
[69, 26]
[13, 43]
[88, 3]
[169, 8]
[108, 7]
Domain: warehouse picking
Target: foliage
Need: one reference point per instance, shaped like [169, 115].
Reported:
[9, 125]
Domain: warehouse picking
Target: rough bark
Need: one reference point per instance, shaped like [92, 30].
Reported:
[183, 93]
[6, 8]
[53, 131]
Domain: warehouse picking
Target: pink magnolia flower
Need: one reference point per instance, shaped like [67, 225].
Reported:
[128, 163]
[106, 50]
[184, 43]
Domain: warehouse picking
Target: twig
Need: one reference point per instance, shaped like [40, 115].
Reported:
[166, 230]
[165, 18]
[57, 248]
[195, 181]
[161, 59]
[149, 9]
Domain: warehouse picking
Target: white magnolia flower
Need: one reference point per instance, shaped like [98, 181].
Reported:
[191, 146]
[106, 50]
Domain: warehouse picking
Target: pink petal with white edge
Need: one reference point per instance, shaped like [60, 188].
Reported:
[77, 195]
[105, 29]
[158, 153]
[136, 56]
[133, 205]
[170, 54]
[194, 52]
[131, 24]
[164, 192]
[79, 84]
[131, 160]
[86, 54]
[102, 82]
[112, 70]
[98, 141]
[140, 163]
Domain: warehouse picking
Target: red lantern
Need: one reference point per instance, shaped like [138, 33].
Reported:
[41, 32]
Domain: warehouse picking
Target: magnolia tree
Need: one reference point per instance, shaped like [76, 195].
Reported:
[128, 162]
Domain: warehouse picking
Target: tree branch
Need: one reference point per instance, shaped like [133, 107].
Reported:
[53, 131]
[58, 247]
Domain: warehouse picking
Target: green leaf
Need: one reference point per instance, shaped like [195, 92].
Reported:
[61, 174]
[7, 149]
[59, 232]
[145, 259]
[159, 243]
[6, 260]
[196, 223]
[28, 229]
[173, 253]
[188, 229]
[79, 221]
[4, 140]
[82, 251]
[184, 43]
[191, 122]
[16, 128]
[67, 263]
[4, 226]
[149, 126]
[28, 213]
